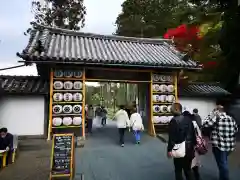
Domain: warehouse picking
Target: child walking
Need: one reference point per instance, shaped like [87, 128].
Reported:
[137, 125]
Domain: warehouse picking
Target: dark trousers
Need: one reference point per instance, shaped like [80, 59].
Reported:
[183, 164]
[89, 125]
[121, 132]
[104, 119]
[221, 158]
[9, 157]
[196, 173]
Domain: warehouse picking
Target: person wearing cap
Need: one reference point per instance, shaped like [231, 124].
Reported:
[223, 129]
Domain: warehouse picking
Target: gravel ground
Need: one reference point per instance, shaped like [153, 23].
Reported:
[32, 162]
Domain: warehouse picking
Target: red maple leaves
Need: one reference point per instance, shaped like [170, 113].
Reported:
[187, 39]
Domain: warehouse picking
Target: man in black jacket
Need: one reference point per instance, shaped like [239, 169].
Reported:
[6, 142]
[181, 129]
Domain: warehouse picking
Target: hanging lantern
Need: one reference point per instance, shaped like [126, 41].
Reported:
[68, 73]
[67, 109]
[77, 97]
[57, 109]
[77, 74]
[58, 85]
[67, 121]
[163, 109]
[170, 98]
[68, 85]
[67, 97]
[58, 97]
[58, 73]
[77, 85]
[77, 121]
[57, 121]
[77, 109]
[156, 108]
[156, 98]
[170, 88]
[156, 87]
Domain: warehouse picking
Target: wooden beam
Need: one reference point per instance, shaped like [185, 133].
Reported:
[50, 107]
[83, 104]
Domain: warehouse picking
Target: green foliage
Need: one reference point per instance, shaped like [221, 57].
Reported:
[145, 18]
[152, 18]
[68, 14]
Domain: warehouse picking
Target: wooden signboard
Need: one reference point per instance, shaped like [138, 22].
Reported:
[62, 157]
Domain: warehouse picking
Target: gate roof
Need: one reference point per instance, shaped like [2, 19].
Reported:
[56, 45]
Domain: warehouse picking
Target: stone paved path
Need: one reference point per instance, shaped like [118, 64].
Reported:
[103, 159]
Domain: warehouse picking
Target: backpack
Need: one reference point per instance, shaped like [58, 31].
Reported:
[201, 145]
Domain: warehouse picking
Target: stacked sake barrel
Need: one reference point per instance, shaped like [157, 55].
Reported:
[67, 100]
[163, 96]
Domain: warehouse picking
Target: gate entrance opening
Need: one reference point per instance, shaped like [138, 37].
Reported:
[112, 94]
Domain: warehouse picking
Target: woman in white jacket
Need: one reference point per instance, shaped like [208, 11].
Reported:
[122, 119]
[137, 125]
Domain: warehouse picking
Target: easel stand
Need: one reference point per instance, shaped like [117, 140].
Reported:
[62, 161]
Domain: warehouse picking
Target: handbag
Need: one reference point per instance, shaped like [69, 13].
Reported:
[179, 150]
[201, 144]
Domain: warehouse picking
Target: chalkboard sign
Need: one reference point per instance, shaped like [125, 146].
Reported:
[62, 159]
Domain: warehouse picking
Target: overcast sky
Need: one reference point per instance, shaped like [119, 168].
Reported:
[15, 16]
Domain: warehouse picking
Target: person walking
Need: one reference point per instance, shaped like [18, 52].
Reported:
[104, 115]
[136, 124]
[122, 119]
[181, 130]
[197, 118]
[196, 160]
[98, 116]
[90, 116]
[223, 131]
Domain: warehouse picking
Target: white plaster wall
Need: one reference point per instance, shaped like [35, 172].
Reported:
[204, 106]
[22, 115]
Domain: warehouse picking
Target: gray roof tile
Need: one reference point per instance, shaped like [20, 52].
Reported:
[23, 85]
[64, 45]
[36, 85]
[202, 89]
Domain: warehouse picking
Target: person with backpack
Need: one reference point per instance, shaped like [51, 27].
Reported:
[223, 129]
[181, 142]
[136, 124]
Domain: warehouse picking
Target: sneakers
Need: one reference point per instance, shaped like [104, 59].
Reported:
[138, 142]
[122, 145]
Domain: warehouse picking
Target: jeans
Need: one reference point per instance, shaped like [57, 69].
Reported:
[121, 132]
[183, 164]
[221, 158]
[137, 135]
